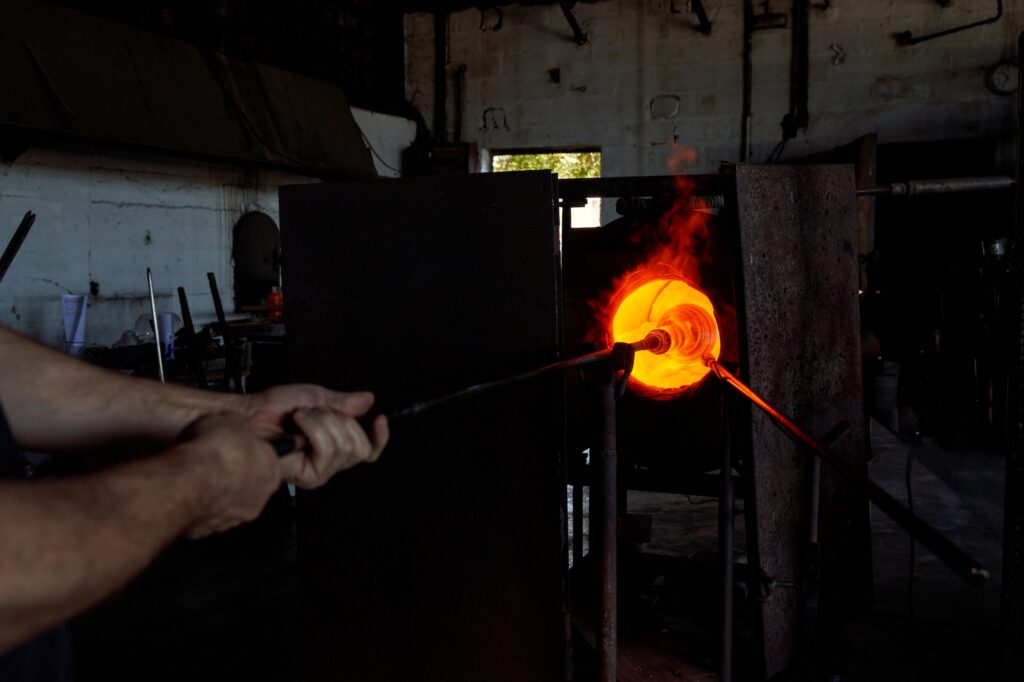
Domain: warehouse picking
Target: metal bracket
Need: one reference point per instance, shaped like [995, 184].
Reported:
[578, 36]
[907, 38]
[697, 7]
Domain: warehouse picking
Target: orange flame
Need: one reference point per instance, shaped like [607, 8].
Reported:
[663, 293]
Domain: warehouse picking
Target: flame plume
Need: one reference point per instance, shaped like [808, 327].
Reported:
[664, 293]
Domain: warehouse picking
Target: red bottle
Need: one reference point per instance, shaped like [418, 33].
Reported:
[275, 300]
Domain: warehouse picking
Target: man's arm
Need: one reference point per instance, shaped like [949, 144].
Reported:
[56, 403]
[69, 543]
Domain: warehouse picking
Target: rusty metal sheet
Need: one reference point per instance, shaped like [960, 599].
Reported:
[444, 560]
[798, 230]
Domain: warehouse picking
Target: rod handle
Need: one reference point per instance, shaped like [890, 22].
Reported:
[286, 445]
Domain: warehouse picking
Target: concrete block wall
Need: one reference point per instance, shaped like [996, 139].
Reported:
[388, 136]
[103, 217]
[647, 79]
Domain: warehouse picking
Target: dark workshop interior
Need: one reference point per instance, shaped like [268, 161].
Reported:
[697, 323]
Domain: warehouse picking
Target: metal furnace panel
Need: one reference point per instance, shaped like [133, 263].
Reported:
[444, 560]
[798, 241]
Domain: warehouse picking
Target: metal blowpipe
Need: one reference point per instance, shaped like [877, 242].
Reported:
[659, 341]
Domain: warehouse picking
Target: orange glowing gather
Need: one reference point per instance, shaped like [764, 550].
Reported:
[663, 293]
[659, 298]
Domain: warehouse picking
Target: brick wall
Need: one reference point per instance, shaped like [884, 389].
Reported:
[646, 77]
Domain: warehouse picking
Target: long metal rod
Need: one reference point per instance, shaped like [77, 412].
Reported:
[955, 558]
[16, 241]
[195, 352]
[651, 343]
[497, 385]
[911, 188]
[156, 327]
[231, 371]
[707, 195]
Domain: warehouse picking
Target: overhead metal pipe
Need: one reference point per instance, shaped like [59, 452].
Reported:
[911, 188]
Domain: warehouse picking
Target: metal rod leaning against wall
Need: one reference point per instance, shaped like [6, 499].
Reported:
[961, 563]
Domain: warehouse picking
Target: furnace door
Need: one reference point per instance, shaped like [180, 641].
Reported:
[444, 561]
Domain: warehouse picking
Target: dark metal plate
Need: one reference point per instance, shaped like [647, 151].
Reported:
[444, 560]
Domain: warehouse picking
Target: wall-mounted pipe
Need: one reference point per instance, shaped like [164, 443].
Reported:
[798, 117]
[748, 46]
[578, 36]
[910, 188]
[441, 74]
[907, 38]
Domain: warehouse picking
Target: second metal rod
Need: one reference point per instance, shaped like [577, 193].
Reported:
[942, 547]
[156, 327]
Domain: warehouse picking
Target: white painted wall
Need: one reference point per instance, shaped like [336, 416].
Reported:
[105, 218]
[639, 51]
[389, 136]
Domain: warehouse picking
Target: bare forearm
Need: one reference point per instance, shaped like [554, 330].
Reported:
[56, 403]
[70, 543]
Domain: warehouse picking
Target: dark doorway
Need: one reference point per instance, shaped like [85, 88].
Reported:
[257, 255]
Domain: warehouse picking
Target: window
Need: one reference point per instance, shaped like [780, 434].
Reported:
[577, 164]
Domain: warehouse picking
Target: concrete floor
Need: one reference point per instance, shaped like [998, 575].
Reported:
[953, 634]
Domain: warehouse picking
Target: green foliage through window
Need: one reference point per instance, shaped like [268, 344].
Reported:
[565, 164]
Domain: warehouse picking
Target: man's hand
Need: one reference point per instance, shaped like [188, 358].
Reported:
[240, 471]
[336, 442]
[327, 421]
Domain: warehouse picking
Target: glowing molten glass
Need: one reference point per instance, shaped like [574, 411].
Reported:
[647, 300]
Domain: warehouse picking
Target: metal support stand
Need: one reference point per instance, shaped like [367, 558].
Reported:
[726, 539]
[577, 523]
[610, 382]
[607, 501]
